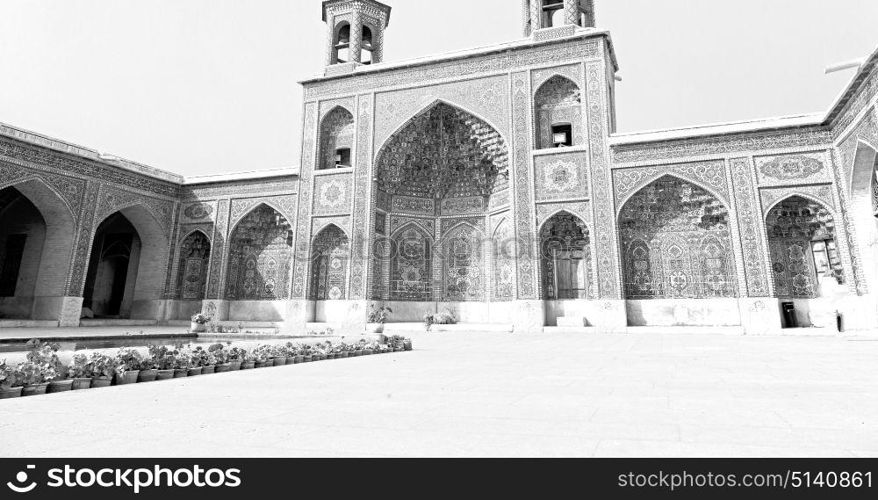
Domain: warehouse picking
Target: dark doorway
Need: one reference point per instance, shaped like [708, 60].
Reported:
[112, 269]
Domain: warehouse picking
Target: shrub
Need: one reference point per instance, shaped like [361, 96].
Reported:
[128, 359]
[80, 367]
[219, 352]
[379, 314]
[102, 365]
[445, 317]
[200, 318]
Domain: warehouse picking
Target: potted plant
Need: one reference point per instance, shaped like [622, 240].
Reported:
[10, 382]
[199, 323]
[263, 356]
[236, 358]
[279, 354]
[248, 361]
[221, 356]
[181, 363]
[377, 317]
[35, 377]
[162, 359]
[103, 368]
[128, 362]
[194, 366]
[80, 372]
[149, 366]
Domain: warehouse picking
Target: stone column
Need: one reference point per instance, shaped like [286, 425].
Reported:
[571, 12]
[356, 49]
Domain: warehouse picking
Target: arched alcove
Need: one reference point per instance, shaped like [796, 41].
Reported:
[676, 243]
[558, 113]
[336, 139]
[330, 259]
[566, 258]
[260, 255]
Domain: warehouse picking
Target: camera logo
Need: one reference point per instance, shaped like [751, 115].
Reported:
[21, 478]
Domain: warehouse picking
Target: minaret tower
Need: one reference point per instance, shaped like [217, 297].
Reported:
[543, 14]
[355, 31]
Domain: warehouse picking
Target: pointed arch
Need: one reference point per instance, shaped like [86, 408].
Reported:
[679, 175]
[255, 204]
[565, 255]
[463, 263]
[337, 131]
[803, 247]
[128, 264]
[411, 263]
[260, 253]
[675, 239]
[864, 210]
[40, 193]
[423, 110]
[330, 264]
[558, 113]
[193, 265]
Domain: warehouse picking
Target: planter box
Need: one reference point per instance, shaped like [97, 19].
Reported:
[164, 375]
[291, 360]
[299, 359]
[15, 392]
[208, 370]
[264, 364]
[368, 352]
[307, 359]
[34, 390]
[280, 361]
[248, 365]
[81, 383]
[197, 328]
[99, 382]
[129, 377]
[234, 366]
[222, 368]
[407, 345]
[193, 371]
[148, 375]
[60, 386]
[181, 372]
[374, 327]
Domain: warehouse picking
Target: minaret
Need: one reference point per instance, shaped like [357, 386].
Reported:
[355, 31]
[542, 14]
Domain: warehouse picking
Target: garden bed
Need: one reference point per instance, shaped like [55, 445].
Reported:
[44, 373]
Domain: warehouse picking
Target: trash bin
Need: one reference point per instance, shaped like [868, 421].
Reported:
[788, 310]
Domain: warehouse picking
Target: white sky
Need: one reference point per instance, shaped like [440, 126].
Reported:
[209, 86]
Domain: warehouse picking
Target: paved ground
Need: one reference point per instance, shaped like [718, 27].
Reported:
[489, 395]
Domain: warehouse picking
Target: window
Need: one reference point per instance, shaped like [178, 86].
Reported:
[342, 44]
[553, 13]
[366, 46]
[342, 158]
[562, 135]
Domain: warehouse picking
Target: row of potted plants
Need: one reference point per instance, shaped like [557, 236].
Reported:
[43, 372]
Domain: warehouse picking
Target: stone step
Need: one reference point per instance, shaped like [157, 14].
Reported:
[117, 322]
[409, 328]
[687, 330]
[570, 329]
[27, 323]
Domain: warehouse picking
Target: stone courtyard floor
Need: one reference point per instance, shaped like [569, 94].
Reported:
[489, 395]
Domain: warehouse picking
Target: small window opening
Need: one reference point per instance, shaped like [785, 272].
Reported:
[562, 135]
[343, 158]
[553, 13]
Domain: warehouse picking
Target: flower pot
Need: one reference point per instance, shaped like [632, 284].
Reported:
[343, 354]
[264, 364]
[165, 374]
[367, 352]
[60, 386]
[129, 377]
[181, 372]
[248, 365]
[234, 366]
[222, 368]
[407, 345]
[193, 371]
[148, 375]
[81, 383]
[280, 361]
[374, 327]
[307, 359]
[329, 355]
[209, 369]
[14, 392]
[291, 360]
[298, 359]
[197, 327]
[34, 390]
[98, 382]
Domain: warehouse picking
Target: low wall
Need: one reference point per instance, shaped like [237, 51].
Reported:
[683, 312]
